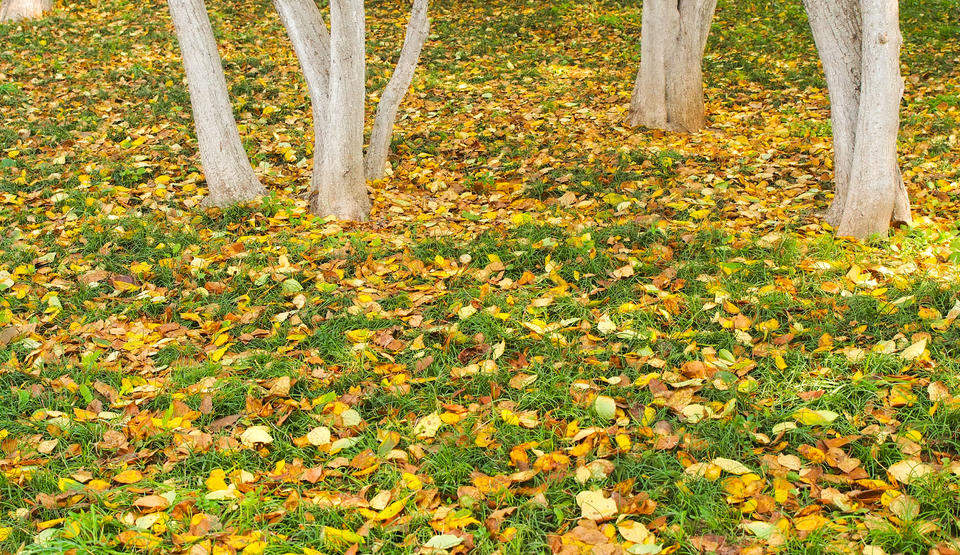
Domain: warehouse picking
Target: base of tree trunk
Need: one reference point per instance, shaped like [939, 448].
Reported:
[694, 121]
[17, 10]
[668, 93]
[239, 196]
[354, 210]
[833, 214]
[226, 168]
[859, 44]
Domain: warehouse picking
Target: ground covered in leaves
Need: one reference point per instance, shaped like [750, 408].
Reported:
[557, 333]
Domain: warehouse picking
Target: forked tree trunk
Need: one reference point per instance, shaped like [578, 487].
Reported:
[668, 93]
[16, 10]
[859, 43]
[334, 68]
[230, 179]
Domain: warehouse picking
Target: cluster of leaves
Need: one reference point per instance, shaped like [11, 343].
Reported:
[556, 333]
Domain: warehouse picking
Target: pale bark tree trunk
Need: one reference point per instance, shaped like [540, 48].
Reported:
[230, 179]
[837, 33]
[859, 43]
[342, 190]
[668, 93]
[16, 10]
[416, 36]
[334, 69]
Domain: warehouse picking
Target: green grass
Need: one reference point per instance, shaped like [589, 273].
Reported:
[516, 109]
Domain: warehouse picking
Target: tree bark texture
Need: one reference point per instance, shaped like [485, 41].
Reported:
[230, 179]
[342, 190]
[668, 93]
[859, 44]
[17, 10]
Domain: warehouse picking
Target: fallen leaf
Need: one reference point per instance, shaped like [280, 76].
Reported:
[443, 541]
[428, 426]
[633, 531]
[606, 407]
[811, 417]
[319, 436]
[151, 503]
[909, 471]
[255, 435]
[914, 350]
[595, 505]
[731, 466]
[129, 476]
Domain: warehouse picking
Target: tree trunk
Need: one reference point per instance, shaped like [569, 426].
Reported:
[668, 93]
[417, 30]
[342, 187]
[311, 42]
[836, 32]
[859, 44]
[230, 179]
[16, 10]
[334, 66]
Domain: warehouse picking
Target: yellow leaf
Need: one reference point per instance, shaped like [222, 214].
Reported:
[217, 480]
[810, 523]
[781, 490]
[319, 436]
[411, 481]
[781, 364]
[428, 426]
[509, 417]
[811, 417]
[255, 548]
[707, 471]
[908, 471]
[391, 511]
[450, 418]
[768, 325]
[905, 507]
[98, 485]
[216, 355]
[129, 476]
[594, 505]
[49, 524]
[914, 351]
[649, 413]
[140, 268]
[358, 336]
[605, 325]
[342, 536]
[633, 531]
[731, 466]
[928, 313]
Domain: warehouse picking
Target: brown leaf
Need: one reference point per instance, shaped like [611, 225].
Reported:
[225, 422]
[151, 503]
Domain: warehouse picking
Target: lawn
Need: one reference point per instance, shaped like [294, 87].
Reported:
[556, 332]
